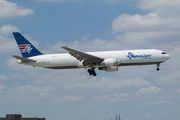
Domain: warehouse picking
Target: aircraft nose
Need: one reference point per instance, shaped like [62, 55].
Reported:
[168, 57]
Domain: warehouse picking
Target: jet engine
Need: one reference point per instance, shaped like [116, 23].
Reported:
[110, 62]
[109, 69]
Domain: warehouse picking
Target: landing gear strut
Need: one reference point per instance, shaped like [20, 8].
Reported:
[92, 72]
[158, 65]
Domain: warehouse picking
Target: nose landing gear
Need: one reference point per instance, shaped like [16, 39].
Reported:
[92, 72]
[158, 65]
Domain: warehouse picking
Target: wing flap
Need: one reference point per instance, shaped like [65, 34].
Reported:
[23, 59]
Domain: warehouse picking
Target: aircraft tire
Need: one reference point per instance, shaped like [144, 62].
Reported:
[94, 74]
[90, 71]
[157, 69]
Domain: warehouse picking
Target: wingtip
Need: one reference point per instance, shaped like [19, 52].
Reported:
[64, 47]
[13, 55]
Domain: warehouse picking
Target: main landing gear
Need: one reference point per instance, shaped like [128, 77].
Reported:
[92, 71]
[158, 65]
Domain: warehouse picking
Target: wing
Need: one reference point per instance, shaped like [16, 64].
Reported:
[88, 58]
[23, 59]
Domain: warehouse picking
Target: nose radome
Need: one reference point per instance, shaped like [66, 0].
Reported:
[168, 56]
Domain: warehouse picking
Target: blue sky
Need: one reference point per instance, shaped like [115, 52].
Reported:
[135, 92]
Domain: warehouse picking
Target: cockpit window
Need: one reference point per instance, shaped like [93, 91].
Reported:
[164, 53]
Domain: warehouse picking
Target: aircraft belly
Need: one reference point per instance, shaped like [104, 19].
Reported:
[63, 67]
[142, 63]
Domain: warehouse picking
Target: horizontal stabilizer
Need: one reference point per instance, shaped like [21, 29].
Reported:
[23, 59]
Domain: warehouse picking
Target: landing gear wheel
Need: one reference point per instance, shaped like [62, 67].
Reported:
[91, 72]
[158, 65]
[94, 74]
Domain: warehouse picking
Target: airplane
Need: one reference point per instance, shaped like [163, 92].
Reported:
[103, 60]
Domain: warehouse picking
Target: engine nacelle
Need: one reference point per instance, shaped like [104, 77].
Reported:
[109, 69]
[110, 62]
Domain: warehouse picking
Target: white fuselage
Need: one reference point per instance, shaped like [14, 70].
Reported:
[122, 58]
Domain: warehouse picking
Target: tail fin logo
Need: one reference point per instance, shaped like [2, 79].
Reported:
[25, 48]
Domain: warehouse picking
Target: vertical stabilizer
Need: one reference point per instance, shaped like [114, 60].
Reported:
[25, 47]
